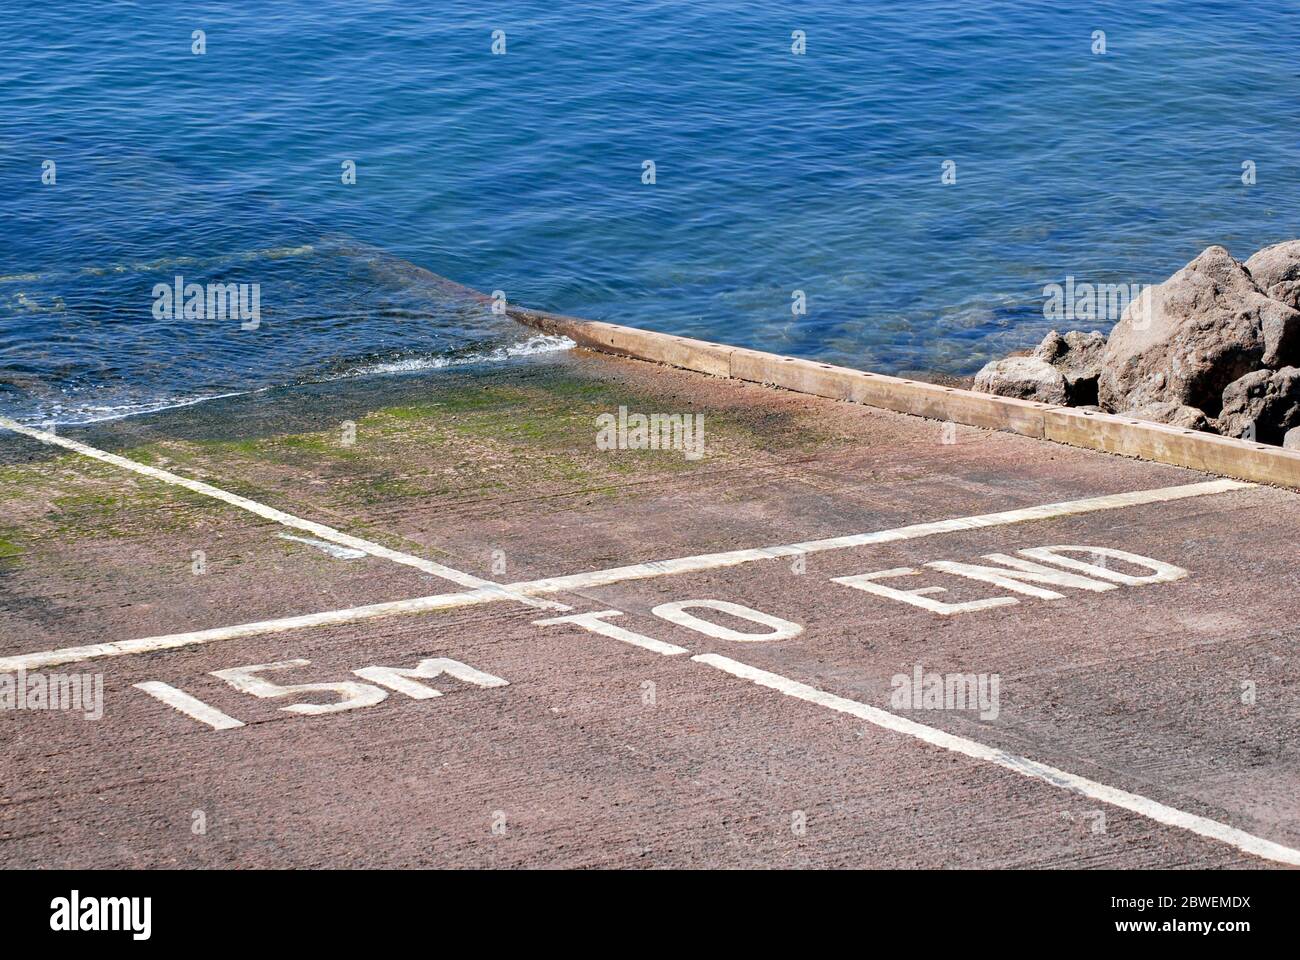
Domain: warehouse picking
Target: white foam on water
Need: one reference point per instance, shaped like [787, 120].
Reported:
[542, 343]
[99, 413]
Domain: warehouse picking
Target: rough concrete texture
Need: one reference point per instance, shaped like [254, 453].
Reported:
[600, 752]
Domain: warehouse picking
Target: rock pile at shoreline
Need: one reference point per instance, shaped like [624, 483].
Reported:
[1215, 347]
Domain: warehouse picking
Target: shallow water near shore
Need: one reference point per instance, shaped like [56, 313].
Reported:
[322, 406]
[522, 173]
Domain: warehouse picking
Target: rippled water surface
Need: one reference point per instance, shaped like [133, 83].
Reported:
[523, 173]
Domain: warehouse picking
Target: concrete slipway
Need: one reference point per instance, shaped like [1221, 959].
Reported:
[431, 621]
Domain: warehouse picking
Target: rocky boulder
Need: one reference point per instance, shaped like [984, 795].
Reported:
[1276, 271]
[1262, 406]
[1063, 370]
[1078, 358]
[1025, 378]
[1292, 439]
[1174, 414]
[1185, 340]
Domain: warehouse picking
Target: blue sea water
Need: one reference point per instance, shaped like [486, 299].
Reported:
[522, 172]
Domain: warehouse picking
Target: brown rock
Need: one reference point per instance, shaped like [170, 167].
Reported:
[1174, 414]
[1025, 378]
[1276, 271]
[1184, 341]
[1077, 356]
[1262, 406]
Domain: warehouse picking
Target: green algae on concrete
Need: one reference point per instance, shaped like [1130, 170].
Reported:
[9, 543]
[468, 439]
[488, 436]
[71, 498]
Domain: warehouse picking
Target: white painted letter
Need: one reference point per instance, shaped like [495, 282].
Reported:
[594, 623]
[404, 681]
[675, 612]
[1022, 570]
[918, 598]
[353, 695]
[1163, 572]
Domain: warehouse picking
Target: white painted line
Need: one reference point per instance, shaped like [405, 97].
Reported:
[270, 513]
[334, 550]
[118, 648]
[1202, 826]
[732, 558]
[191, 707]
[659, 568]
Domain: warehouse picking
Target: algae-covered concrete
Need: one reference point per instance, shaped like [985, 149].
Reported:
[608, 750]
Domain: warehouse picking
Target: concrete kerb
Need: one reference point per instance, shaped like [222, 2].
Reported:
[1210, 453]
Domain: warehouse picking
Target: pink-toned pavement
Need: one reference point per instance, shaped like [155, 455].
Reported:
[714, 722]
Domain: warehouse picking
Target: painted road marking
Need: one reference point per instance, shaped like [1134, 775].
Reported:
[1143, 806]
[777, 629]
[407, 681]
[329, 618]
[487, 594]
[270, 513]
[354, 695]
[351, 695]
[596, 624]
[919, 597]
[192, 707]
[732, 558]
[333, 549]
[1012, 574]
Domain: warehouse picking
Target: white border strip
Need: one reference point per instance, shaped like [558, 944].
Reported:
[659, 568]
[121, 648]
[270, 513]
[1202, 826]
[711, 561]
